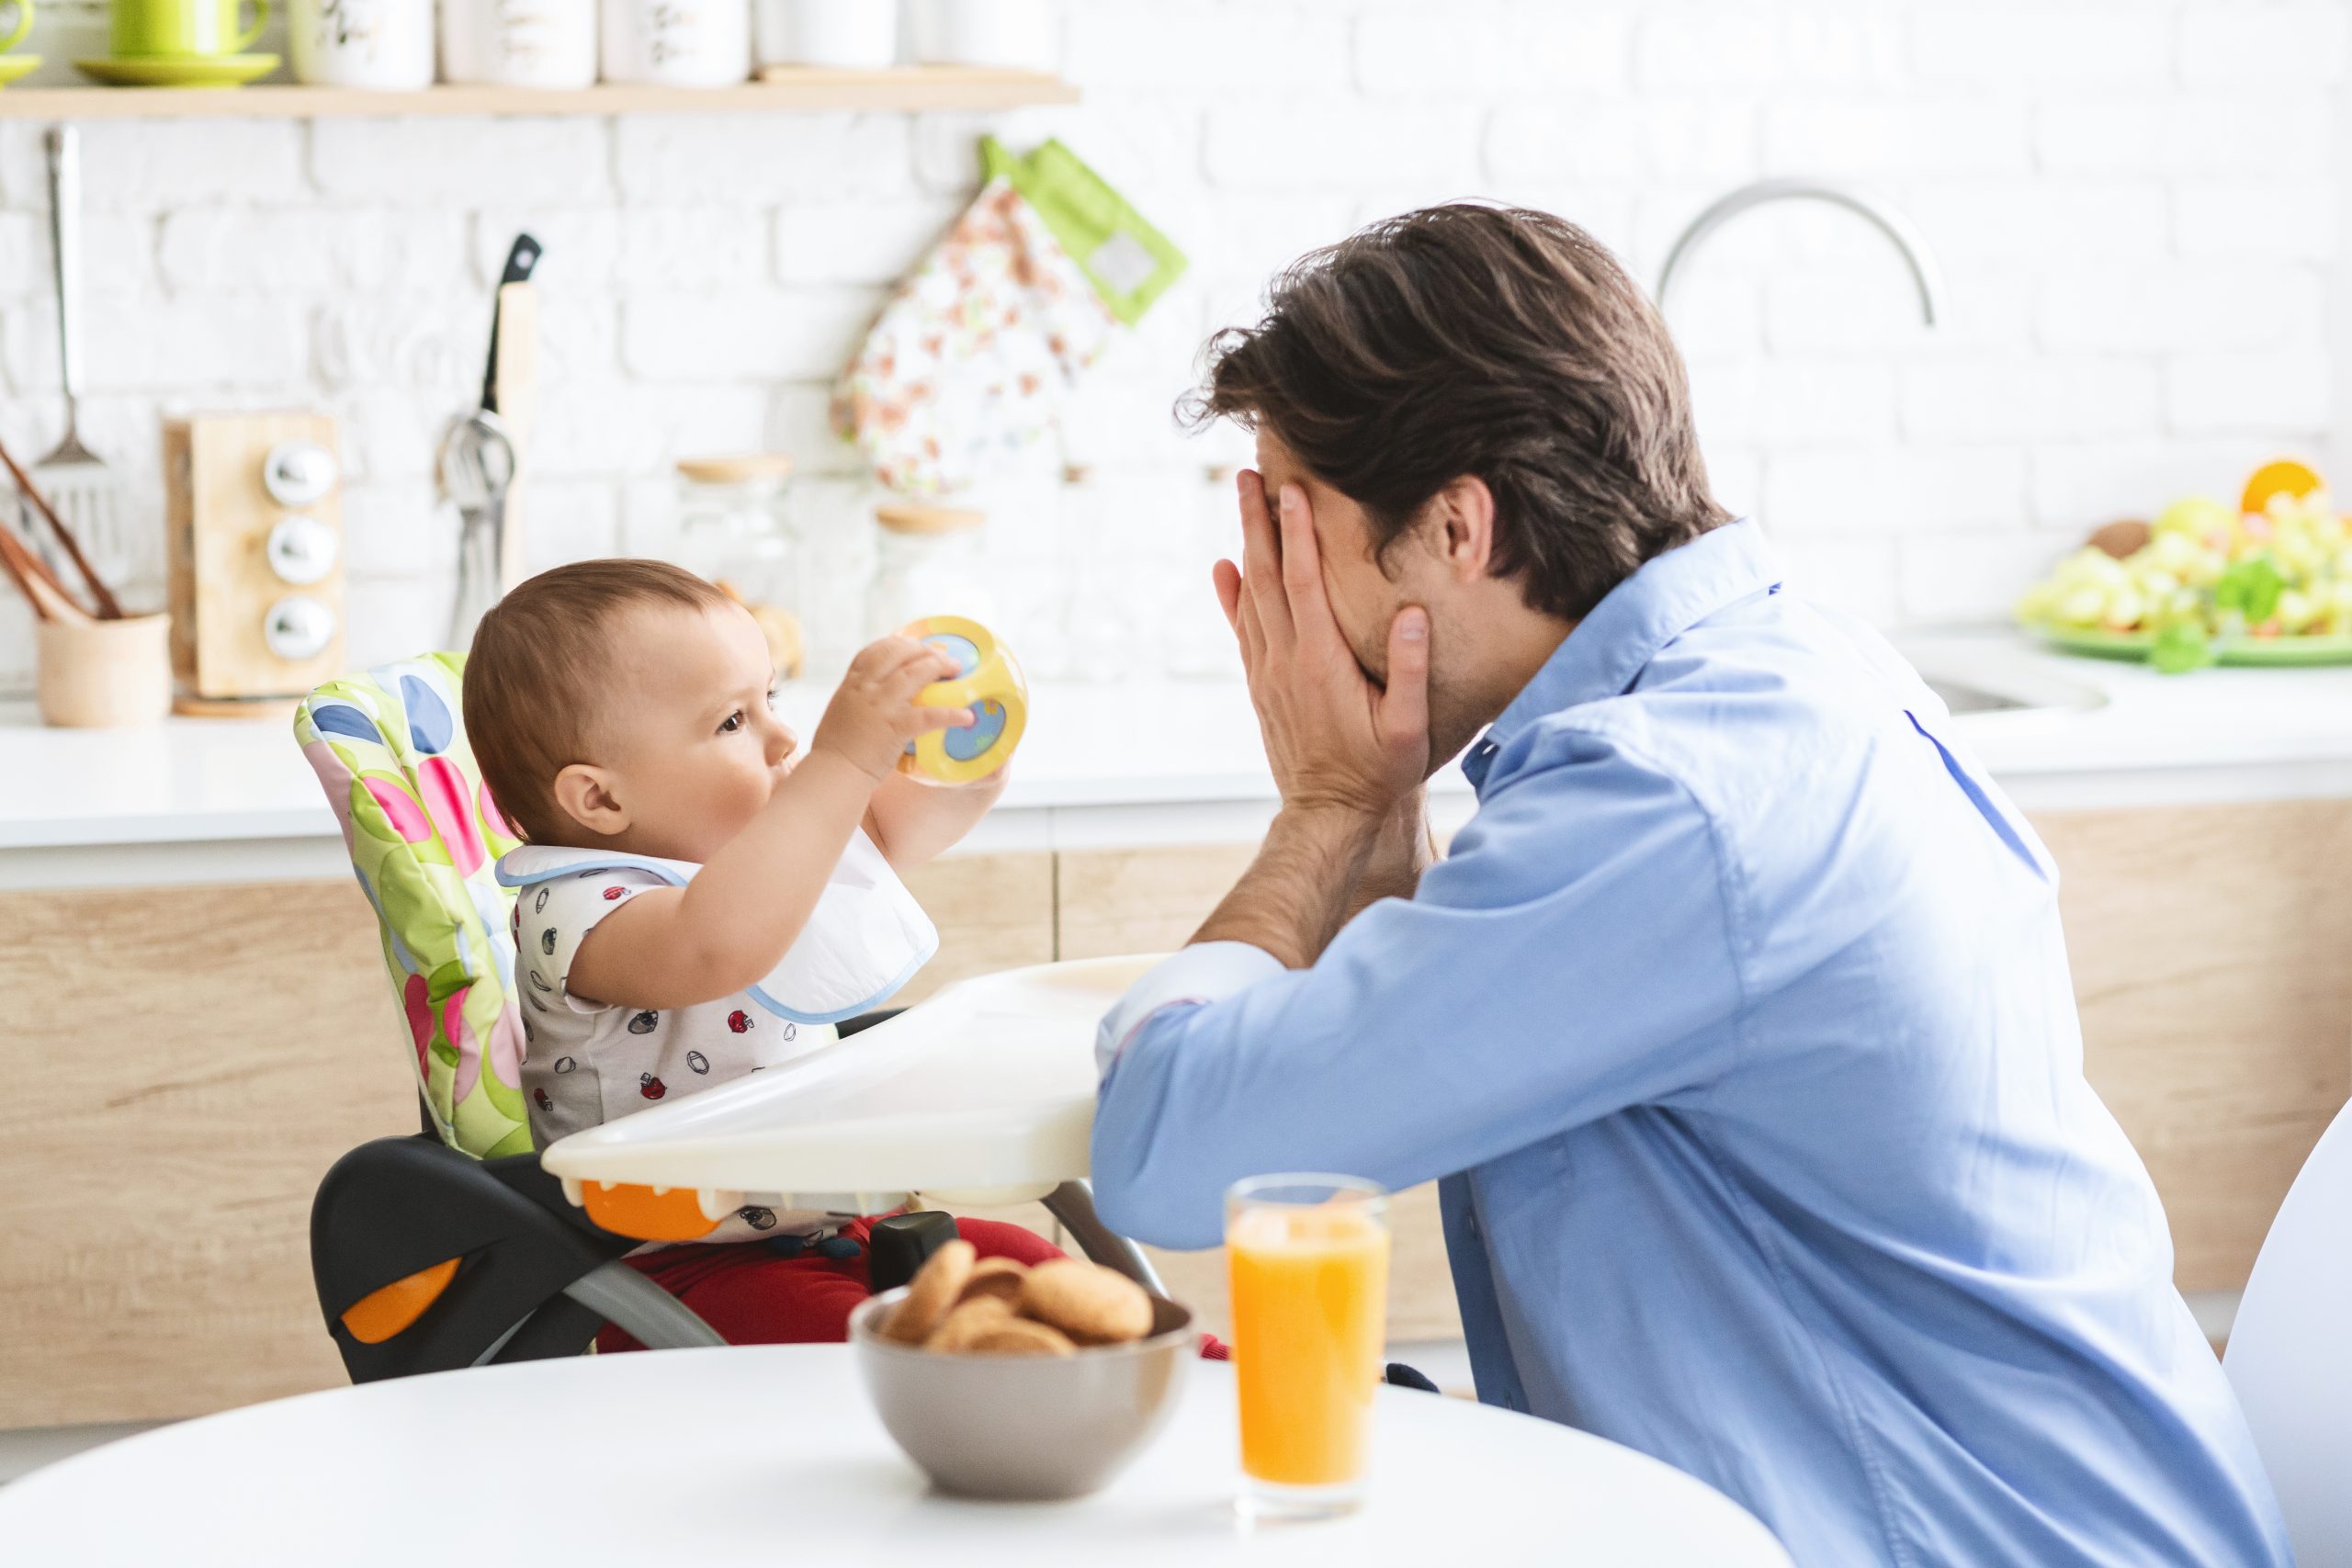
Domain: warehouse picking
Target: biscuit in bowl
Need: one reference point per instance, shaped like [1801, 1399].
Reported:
[1092, 1304]
[998, 1277]
[967, 1321]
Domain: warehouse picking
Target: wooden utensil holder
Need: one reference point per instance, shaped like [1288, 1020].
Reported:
[104, 674]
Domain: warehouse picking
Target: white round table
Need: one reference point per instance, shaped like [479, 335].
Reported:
[772, 1455]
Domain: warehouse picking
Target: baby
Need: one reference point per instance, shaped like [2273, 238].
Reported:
[700, 895]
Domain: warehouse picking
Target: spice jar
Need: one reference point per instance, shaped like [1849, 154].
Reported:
[519, 43]
[680, 43]
[851, 35]
[926, 563]
[735, 529]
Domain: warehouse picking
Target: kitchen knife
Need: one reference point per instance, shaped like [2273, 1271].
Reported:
[520, 259]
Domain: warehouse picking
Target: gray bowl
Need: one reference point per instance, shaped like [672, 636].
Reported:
[1030, 1427]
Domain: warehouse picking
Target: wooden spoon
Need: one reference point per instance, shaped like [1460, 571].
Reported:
[49, 600]
[109, 609]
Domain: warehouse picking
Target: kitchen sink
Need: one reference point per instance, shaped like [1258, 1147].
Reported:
[1992, 685]
[1964, 698]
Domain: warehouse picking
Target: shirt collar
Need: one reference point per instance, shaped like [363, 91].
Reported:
[1665, 597]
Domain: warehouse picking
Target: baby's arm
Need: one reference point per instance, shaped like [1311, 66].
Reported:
[911, 822]
[678, 946]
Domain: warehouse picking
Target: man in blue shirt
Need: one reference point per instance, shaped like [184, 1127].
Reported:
[1736, 1024]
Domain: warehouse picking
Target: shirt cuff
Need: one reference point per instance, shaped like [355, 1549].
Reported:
[1201, 973]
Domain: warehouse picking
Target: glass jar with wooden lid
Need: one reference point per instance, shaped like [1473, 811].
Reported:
[736, 528]
[926, 563]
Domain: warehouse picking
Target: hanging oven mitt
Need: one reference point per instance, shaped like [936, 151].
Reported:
[970, 359]
[866, 937]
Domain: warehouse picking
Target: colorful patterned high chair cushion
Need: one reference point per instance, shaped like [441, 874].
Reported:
[425, 836]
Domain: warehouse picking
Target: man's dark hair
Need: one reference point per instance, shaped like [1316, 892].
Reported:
[1479, 340]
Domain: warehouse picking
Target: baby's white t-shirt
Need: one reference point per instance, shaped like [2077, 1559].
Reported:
[585, 1063]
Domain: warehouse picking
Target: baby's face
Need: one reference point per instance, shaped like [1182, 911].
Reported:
[687, 733]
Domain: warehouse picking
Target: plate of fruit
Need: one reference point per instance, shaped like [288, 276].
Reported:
[2266, 581]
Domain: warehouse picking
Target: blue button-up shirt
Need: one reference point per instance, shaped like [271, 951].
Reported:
[1739, 1028]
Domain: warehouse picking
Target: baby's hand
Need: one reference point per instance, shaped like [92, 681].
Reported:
[873, 715]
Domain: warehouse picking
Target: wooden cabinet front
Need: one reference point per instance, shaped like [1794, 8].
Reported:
[184, 1064]
[2209, 946]
[1110, 902]
[993, 912]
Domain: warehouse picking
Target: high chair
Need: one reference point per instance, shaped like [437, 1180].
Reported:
[453, 1246]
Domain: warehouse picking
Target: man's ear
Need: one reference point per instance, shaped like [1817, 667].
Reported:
[1465, 520]
[584, 794]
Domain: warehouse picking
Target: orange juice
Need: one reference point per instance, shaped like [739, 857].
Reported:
[1310, 1297]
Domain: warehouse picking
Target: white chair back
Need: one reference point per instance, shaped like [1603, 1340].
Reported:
[2289, 1356]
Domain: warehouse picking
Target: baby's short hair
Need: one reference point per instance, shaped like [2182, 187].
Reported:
[542, 658]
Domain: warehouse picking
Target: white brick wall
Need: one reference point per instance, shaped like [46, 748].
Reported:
[2003, 47]
[2136, 203]
[2232, 45]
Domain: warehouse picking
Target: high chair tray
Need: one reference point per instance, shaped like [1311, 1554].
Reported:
[985, 1091]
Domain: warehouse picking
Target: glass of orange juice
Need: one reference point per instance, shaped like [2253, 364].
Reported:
[1307, 1259]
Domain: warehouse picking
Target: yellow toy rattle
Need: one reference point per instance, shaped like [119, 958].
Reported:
[988, 680]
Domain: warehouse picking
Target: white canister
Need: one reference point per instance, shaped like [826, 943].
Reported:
[1013, 34]
[519, 43]
[682, 43]
[381, 44]
[926, 563]
[845, 35]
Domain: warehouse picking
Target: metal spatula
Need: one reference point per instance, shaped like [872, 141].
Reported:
[86, 494]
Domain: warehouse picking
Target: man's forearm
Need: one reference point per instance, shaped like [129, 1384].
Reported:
[1402, 851]
[1302, 887]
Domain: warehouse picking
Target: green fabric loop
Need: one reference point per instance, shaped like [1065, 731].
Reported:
[1129, 263]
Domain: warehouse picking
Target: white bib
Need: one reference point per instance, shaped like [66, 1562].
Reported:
[865, 938]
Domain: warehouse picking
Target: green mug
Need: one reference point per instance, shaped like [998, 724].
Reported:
[23, 25]
[183, 27]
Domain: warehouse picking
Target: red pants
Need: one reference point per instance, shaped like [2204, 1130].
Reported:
[750, 1296]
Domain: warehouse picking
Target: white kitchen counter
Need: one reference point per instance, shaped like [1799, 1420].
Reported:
[200, 800]
[1166, 762]
[2209, 737]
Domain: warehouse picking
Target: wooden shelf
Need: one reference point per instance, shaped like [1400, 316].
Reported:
[914, 87]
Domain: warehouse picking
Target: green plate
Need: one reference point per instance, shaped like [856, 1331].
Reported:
[2270, 652]
[179, 69]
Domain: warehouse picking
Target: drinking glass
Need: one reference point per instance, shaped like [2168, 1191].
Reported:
[1307, 1258]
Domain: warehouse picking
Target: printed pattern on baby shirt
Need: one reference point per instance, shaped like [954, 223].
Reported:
[587, 1062]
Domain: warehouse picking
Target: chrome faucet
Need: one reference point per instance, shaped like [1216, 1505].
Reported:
[1891, 222]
